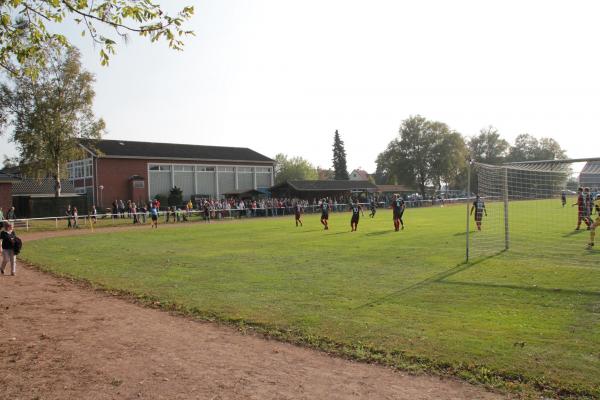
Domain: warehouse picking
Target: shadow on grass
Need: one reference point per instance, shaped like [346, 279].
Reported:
[575, 232]
[432, 279]
[379, 233]
[521, 287]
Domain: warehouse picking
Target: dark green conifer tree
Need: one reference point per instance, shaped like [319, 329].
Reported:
[339, 158]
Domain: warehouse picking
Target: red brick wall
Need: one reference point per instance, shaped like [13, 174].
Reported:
[114, 173]
[5, 197]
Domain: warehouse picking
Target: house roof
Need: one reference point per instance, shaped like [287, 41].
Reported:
[129, 149]
[330, 186]
[359, 174]
[34, 187]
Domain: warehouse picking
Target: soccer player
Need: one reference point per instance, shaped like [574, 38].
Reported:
[588, 201]
[373, 208]
[298, 210]
[563, 198]
[356, 211]
[596, 222]
[581, 206]
[325, 213]
[206, 209]
[479, 208]
[398, 207]
[154, 215]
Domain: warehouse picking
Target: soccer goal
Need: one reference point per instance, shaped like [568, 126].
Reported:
[532, 209]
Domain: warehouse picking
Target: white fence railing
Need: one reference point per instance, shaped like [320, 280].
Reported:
[109, 219]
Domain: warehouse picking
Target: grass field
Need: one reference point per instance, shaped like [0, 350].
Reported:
[525, 319]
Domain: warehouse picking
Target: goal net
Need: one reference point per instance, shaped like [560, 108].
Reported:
[532, 210]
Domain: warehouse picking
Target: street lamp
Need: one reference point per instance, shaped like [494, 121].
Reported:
[101, 187]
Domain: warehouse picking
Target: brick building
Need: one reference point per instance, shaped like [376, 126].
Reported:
[6, 191]
[138, 171]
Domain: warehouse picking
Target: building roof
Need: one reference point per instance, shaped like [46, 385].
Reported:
[35, 187]
[329, 186]
[8, 178]
[394, 188]
[359, 175]
[129, 149]
[591, 167]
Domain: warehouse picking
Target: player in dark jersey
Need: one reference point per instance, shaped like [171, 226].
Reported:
[298, 210]
[373, 208]
[206, 210]
[398, 207]
[563, 198]
[479, 208]
[581, 209]
[325, 213]
[356, 211]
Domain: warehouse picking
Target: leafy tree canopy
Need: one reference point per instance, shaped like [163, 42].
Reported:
[47, 116]
[528, 148]
[426, 153]
[29, 27]
[488, 147]
[294, 168]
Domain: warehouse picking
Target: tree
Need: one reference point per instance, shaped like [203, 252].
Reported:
[488, 147]
[25, 27]
[50, 114]
[175, 198]
[528, 148]
[295, 168]
[339, 158]
[425, 153]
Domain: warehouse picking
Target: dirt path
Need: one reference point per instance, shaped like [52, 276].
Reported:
[61, 341]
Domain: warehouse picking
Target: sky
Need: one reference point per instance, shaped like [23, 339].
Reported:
[281, 76]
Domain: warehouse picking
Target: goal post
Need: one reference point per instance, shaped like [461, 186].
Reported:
[531, 207]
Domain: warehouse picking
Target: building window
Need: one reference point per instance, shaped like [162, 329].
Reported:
[183, 168]
[79, 169]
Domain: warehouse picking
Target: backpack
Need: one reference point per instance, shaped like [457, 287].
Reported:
[17, 245]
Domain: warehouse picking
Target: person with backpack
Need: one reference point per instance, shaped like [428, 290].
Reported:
[11, 246]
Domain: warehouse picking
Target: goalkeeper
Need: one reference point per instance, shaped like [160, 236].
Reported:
[595, 223]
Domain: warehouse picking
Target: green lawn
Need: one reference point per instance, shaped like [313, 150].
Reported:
[527, 318]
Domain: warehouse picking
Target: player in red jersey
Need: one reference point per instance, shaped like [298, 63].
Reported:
[298, 210]
[581, 209]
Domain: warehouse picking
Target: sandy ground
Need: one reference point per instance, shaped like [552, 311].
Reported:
[59, 340]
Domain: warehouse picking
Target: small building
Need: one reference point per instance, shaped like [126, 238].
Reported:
[139, 171]
[6, 190]
[590, 175]
[309, 190]
[35, 198]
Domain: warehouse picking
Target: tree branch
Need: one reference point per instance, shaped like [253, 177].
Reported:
[114, 24]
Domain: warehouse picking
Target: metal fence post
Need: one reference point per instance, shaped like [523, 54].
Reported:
[505, 189]
[468, 216]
